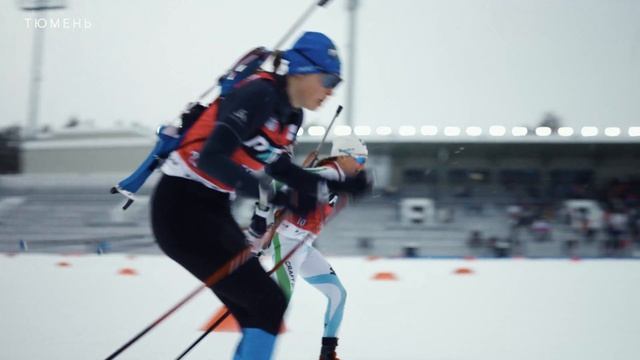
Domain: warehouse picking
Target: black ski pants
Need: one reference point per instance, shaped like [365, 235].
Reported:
[193, 225]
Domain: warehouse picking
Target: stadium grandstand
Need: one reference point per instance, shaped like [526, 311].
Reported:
[439, 192]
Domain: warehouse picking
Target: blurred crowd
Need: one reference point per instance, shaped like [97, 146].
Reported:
[608, 219]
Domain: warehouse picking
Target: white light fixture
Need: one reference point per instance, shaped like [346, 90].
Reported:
[452, 131]
[342, 130]
[587, 131]
[497, 130]
[316, 130]
[612, 131]
[474, 131]
[383, 130]
[407, 131]
[429, 130]
[300, 131]
[565, 131]
[362, 130]
[634, 131]
[519, 131]
[543, 131]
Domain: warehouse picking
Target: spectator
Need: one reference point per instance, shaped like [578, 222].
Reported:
[501, 247]
[616, 224]
[541, 229]
[475, 239]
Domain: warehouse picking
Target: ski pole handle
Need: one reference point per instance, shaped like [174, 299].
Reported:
[310, 159]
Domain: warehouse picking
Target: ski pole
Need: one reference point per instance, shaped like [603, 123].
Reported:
[218, 275]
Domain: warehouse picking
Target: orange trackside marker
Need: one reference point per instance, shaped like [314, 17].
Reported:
[385, 276]
[127, 272]
[463, 271]
[373, 258]
[63, 264]
[230, 324]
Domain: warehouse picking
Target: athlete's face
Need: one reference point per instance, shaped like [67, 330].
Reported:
[349, 165]
[308, 91]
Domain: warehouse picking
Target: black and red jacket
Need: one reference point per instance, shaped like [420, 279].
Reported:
[242, 133]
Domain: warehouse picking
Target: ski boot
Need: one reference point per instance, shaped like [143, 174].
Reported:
[328, 350]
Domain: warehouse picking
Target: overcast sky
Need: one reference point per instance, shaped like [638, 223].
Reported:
[420, 62]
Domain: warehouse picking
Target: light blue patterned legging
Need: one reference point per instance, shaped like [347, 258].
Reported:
[317, 271]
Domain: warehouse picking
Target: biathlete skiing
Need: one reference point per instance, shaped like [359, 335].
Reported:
[347, 160]
[235, 147]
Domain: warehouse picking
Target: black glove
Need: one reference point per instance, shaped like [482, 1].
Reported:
[258, 225]
[300, 201]
[297, 202]
[262, 218]
[358, 185]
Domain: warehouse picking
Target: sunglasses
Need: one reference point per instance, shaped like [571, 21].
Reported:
[329, 80]
[360, 159]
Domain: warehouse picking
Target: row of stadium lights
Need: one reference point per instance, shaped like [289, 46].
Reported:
[586, 131]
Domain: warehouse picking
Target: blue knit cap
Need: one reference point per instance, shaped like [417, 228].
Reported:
[313, 53]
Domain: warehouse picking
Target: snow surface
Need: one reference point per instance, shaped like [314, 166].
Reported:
[506, 309]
